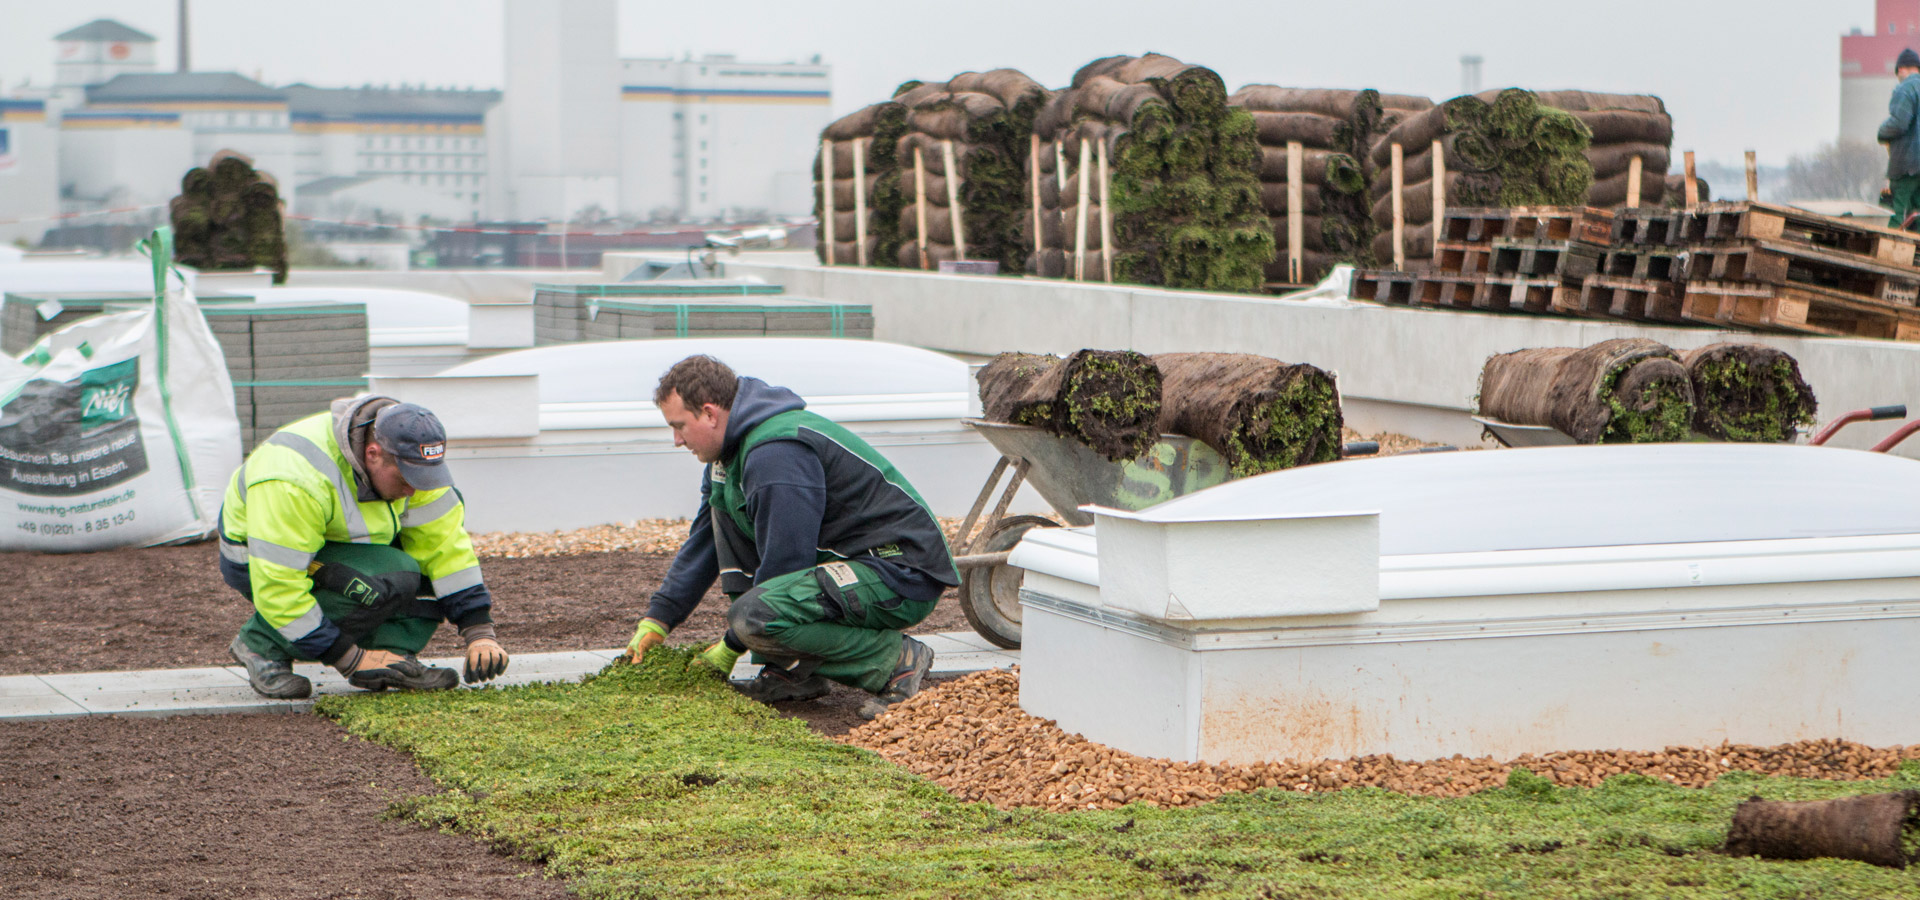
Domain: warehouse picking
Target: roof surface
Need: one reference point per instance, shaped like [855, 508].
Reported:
[166, 86]
[105, 30]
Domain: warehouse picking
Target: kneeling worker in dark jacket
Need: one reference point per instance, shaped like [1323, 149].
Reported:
[825, 549]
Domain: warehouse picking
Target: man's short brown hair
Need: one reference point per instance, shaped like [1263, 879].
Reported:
[699, 380]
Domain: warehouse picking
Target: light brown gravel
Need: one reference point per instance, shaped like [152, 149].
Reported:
[971, 737]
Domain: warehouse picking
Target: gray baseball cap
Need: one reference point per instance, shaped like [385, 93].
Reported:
[417, 441]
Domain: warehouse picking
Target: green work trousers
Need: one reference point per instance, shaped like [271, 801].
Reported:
[374, 606]
[837, 620]
[1906, 198]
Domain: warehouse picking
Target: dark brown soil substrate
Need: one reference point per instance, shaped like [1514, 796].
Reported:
[166, 607]
[206, 807]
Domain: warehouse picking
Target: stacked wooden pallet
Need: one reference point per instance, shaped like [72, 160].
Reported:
[707, 308]
[1742, 265]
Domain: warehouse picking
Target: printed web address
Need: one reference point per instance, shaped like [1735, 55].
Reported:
[101, 503]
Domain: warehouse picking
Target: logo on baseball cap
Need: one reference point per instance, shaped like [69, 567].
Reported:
[417, 442]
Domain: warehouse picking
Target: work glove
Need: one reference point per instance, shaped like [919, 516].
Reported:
[651, 633]
[719, 658]
[359, 660]
[486, 659]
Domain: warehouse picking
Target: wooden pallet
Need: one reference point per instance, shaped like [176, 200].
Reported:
[1643, 264]
[1795, 309]
[1461, 257]
[1383, 286]
[1522, 293]
[1648, 227]
[1481, 225]
[1585, 224]
[1561, 259]
[1627, 298]
[1473, 224]
[1781, 263]
[1445, 291]
[1717, 222]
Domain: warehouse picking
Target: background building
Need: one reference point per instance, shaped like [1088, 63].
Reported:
[1866, 67]
[578, 135]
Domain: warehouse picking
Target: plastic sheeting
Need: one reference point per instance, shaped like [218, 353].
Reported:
[628, 371]
[1590, 496]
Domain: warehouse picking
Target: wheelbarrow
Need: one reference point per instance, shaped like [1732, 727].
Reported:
[1067, 475]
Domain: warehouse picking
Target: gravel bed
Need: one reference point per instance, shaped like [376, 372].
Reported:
[971, 737]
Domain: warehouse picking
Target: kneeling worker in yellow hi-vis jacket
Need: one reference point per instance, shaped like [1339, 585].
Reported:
[346, 533]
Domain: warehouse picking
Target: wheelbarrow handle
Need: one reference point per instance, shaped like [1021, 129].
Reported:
[1872, 414]
[1360, 448]
[1899, 434]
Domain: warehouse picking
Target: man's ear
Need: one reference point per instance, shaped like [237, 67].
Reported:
[372, 454]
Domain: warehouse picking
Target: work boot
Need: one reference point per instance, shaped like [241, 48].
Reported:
[774, 685]
[271, 678]
[916, 660]
[408, 674]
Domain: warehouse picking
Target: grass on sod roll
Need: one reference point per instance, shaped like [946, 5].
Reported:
[652, 781]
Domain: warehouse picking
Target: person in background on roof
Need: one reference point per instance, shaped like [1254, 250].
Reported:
[827, 552]
[346, 533]
[1901, 133]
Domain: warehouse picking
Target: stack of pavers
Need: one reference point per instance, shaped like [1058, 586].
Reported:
[26, 318]
[568, 313]
[1729, 265]
[289, 360]
[1524, 259]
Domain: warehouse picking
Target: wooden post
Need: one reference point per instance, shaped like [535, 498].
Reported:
[1060, 167]
[1080, 217]
[920, 200]
[1106, 215]
[953, 199]
[1399, 209]
[828, 211]
[1693, 184]
[1439, 184]
[860, 200]
[1635, 167]
[1033, 186]
[1296, 217]
[1753, 177]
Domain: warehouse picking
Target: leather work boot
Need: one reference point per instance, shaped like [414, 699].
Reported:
[271, 678]
[916, 660]
[773, 685]
[408, 674]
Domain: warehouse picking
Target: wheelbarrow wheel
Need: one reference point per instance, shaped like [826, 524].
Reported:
[990, 595]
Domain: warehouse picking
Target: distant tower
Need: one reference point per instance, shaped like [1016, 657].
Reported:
[561, 115]
[1470, 74]
[186, 58]
[1866, 67]
[99, 50]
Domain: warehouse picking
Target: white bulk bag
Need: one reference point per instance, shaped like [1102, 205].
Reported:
[118, 430]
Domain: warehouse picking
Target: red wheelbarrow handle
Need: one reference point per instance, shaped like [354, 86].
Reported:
[1899, 434]
[1896, 411]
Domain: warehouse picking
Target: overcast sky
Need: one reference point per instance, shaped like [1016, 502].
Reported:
[1736, 74]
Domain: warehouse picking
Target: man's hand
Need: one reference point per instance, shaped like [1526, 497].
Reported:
[718, 657]
[651, 633]
[486, 659]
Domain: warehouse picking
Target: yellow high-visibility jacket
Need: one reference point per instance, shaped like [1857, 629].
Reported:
[297, 490]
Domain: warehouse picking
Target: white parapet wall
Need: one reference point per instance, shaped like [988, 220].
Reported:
[1403, 369]
[1528, 601]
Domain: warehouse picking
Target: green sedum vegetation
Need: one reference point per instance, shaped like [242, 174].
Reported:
[654, 781]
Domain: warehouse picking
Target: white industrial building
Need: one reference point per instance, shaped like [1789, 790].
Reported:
[707, 138]
[577, 134]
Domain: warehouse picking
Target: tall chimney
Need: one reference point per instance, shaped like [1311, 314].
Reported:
[186, 64]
